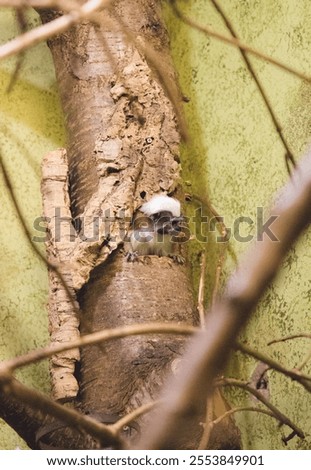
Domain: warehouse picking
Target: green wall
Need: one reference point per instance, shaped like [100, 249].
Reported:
[235, 157]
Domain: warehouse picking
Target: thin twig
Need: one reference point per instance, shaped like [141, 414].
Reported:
[208, 424]
[27, 3]
[243, 408]
[22, 24]
[289, 157]
[303, 379]
[224, 382]
[125, 420]
[286, 338]
[200, 305]
[94, 338]
[48, 30]
[219, 268]
[237, 43]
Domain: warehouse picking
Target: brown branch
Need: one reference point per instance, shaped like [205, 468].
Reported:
[210, 424]
[224, 382]
[303, 379]
[286, 338]
[160, 69]
[200, 305]
[48, 30]
[28, 3]
[93, 338]
[289, 157]
[304, 361]
[236, 43]
[209, 350]
[208, 427]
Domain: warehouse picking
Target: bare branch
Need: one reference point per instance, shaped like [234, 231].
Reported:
[289, 157]
[303, 379]
[27, 233]
[236, 43]
[94, 338]
[304, 361]
[27, 3]
[125, 420]
[224, 382]
[38, 401]
[208, 425]
[210, 348]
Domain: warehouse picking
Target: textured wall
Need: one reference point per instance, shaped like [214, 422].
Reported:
[236, 157]
[30, 126]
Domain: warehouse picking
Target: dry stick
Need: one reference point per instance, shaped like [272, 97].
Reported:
[303, 379]
[237, 43]
[160, 69]
[48, 30]
[37, 400]
[288, 155]
[94, 338]
[22, 24]
[238, 409]
[27, 3]
[222, 229]
[219, 268]
[304, 361]
[200, 305]
[125, 420]
[225, 382]
[209, 350]
[295, 336]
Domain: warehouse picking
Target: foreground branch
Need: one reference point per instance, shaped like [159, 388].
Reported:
[224, 382]
[289, 157]
[208, 353]
[235, 42]
[303, 379]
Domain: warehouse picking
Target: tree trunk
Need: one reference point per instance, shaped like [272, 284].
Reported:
[123, 147]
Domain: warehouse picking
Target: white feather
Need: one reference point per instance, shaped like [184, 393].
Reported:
[160, 203]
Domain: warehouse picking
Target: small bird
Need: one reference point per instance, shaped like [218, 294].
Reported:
[156, 232]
